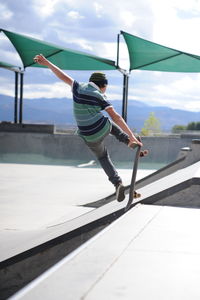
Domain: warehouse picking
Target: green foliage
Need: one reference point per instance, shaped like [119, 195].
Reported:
[190, 126]
[197, 125]
[177, 128]
[193, 126]
[151, 125]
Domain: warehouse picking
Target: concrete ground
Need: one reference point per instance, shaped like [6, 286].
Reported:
[34, 197]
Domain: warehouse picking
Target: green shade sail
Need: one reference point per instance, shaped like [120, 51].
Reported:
[64, 58]
[146, 55]
[8, 66]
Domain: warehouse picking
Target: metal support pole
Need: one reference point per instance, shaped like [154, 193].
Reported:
[127, 81]
[118, 40]
[21, 98]
[125, 97]
[16, 98]
[124, 113]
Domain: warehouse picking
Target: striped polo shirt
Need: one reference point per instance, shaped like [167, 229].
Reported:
[88, 103]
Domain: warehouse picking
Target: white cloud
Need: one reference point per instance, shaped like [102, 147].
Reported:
[7, 88]
[170, 29]
[45, 8]
[5, 13]
[180, 93]
[10, 57]
[82, 43]
[75, 15]
[98, 8]
[128, 18]
[54, 90]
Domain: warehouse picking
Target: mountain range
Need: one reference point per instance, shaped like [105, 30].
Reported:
[60, 111]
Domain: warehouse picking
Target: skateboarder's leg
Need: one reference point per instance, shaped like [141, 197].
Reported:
[124, 138]
[100, 151]
[119, 134]
[102, 155]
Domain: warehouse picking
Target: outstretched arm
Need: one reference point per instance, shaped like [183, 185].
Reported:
[122, 124]
[40, 59]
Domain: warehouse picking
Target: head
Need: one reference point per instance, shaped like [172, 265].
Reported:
[100, 80]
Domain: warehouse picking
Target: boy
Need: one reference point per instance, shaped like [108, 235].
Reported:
[93, 126]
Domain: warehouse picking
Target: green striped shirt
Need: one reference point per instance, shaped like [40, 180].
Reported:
[88, 102]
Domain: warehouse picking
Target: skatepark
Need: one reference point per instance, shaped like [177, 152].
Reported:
[64, 235]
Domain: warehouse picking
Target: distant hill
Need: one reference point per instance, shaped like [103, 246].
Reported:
[60, 111]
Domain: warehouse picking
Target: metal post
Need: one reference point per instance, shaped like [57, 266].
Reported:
[125, 97]
[127, 81]
[118, 39]
[16, 98]
[21, 98]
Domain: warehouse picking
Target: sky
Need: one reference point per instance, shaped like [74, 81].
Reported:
[92, 27]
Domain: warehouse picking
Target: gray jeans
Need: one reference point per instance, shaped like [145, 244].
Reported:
[101, 152]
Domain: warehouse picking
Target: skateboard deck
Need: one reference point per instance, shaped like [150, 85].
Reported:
[133, 178]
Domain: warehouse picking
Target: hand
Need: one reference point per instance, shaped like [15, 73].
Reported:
[41, 60]
[133, 140]
[140, 144]
[139, 141]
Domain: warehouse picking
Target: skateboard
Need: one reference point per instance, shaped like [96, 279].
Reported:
[132, 193]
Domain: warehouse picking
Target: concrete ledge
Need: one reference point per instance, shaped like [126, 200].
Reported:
[196, 141]
[37, 128]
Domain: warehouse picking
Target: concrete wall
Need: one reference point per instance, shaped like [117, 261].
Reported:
[72, 147]
[13, 127]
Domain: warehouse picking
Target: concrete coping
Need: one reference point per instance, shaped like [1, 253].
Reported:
[196, 141]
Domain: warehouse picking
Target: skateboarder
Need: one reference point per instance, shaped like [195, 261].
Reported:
[89, 100]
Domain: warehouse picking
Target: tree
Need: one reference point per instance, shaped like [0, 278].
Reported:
[197, 125]
[151, 125]
[191, 126]
[177, 128]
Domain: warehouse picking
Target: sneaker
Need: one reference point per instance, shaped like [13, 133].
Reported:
[120, 192]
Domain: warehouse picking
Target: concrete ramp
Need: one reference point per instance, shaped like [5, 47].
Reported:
[181, 188]
[151, 252]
